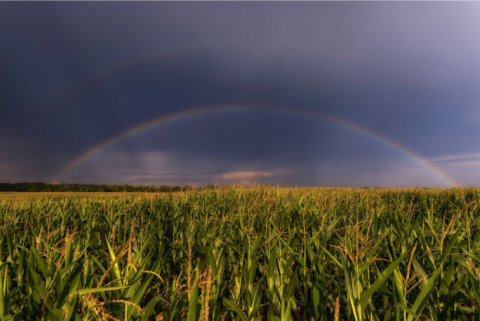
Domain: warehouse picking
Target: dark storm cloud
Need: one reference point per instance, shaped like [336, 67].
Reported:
[406, 70]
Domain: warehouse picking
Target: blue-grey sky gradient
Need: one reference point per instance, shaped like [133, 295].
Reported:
[74, 74]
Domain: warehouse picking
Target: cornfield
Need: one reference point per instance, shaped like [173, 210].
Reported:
[257, 253]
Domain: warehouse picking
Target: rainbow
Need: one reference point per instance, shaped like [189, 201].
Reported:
[188, 113]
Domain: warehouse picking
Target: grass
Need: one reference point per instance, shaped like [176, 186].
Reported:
[242, 254]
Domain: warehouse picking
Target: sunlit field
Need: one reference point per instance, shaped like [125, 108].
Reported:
[29, 195]
[237, 253]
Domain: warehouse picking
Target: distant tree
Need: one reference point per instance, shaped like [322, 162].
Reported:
[7, 187]
[63, 187]
[36, 187]
[22, 187]
[164, 188]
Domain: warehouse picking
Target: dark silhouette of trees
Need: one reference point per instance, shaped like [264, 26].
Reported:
[43, 187]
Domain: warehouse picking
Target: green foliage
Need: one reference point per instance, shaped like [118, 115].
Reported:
[236, 253]
[43, 187]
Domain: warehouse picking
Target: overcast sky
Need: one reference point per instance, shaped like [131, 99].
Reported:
[405, 74]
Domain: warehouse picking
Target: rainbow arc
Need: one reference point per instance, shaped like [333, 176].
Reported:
[194, 112]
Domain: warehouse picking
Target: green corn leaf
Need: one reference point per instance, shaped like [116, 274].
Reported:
[115, 269]
[71, 285]
[39, 286]
[364, 267]
[475, 285]
[138, 255]
[99, 264]
[4, 301]
[96, 290]
[11, 247]
[380, 281]
[292, 284]
[272, 266]
[340, 265]
[448, 248]
[192, 304]
[234, 307]
[255, 246]
[314, 238]
[149, 309]
[404, 307]
[398, 288]
[71, 311]
[422, 298]
[137, 296]
[43, 267]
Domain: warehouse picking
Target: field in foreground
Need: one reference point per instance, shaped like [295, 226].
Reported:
[243, 254]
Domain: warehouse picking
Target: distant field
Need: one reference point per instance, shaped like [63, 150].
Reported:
[242, 254]
[17, 195]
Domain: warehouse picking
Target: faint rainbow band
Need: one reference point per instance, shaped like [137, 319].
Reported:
[192, 112]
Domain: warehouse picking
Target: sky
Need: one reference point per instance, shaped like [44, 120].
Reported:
[279, 93]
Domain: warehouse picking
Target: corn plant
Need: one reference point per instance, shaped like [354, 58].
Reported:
[243, 253]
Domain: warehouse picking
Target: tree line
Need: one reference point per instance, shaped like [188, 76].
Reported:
[44, 187]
